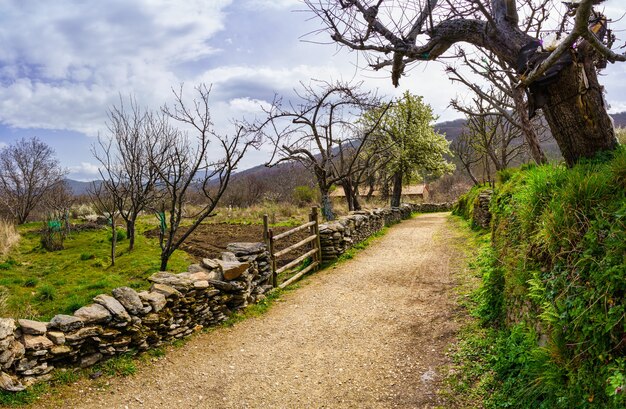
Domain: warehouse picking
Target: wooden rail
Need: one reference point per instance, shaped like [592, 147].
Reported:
[313, 242]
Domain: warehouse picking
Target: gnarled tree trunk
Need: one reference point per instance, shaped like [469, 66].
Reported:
[577, 115]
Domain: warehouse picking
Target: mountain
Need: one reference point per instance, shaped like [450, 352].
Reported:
[77, 187]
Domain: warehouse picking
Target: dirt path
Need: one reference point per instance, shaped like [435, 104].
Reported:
[370, 333]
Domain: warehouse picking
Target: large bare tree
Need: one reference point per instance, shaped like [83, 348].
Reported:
[28, 170]
[196, 161]
[315, 132]
[561, 80]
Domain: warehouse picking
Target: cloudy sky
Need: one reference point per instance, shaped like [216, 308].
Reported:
[64, 63]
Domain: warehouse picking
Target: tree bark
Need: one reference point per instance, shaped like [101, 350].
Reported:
[327, 206]
[130, 232]
[577, 115]
[397, 188]
[113, 239]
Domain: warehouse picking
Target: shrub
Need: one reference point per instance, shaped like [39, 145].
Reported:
[31, 282]
[46, 293]
[87, 256]
[304, 195]
[121, 235]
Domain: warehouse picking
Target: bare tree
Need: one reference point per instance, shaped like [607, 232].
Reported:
[464, 150]
[504, 98]
[184, 166]
[125, 169]
[561, 80]
[313, 131]
[28, 170]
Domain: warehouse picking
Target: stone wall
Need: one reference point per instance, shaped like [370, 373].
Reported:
[338, 236]
[175, 306]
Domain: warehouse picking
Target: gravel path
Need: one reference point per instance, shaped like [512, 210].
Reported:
[369, 333]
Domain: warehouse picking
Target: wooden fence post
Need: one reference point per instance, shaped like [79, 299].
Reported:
[272, 258]
[318, 255]
[266, 233]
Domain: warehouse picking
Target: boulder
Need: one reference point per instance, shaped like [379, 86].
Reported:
[83, 333]
[90, 360]
[114, 307]
[129, 299]
[66, 323]
[33, 327]
[93, 313]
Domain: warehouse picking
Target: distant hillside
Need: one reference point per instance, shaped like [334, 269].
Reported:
[78, 188]
[452, 129]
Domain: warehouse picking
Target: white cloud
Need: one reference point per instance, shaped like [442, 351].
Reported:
[84, 171]
[65, 62]
[248, 105]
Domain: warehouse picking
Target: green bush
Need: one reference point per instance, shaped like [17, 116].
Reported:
[87, 256]
[31, 282]
[121, 235]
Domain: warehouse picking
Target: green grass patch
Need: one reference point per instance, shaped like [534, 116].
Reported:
[41, 283]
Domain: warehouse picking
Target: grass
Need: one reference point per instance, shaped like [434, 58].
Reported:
[551, 305]
[8, 236]
[42, 284]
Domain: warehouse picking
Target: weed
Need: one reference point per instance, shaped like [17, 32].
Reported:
[46, 293]
[31, 282]
[87, 256]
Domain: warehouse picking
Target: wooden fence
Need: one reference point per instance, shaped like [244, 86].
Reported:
[314, 249]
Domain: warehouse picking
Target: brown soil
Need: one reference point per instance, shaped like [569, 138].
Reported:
[371, 332]
[210, 240]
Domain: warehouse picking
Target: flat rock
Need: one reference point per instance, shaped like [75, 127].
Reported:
[114, 306]
[233, 269]
[156, 300]
[129, 299]
[93, 313]
[83, 333]
[172, 280]
[166, 290]
[201, 284]
[10, 384]
[33, 327]
[37, 342]
[66, 323]
[241, 249]
[57, 337]
[60, 350]
[210, 264]
[7, 327]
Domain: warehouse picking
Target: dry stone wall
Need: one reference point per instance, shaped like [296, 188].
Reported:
[175, 306]
[339, 235]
